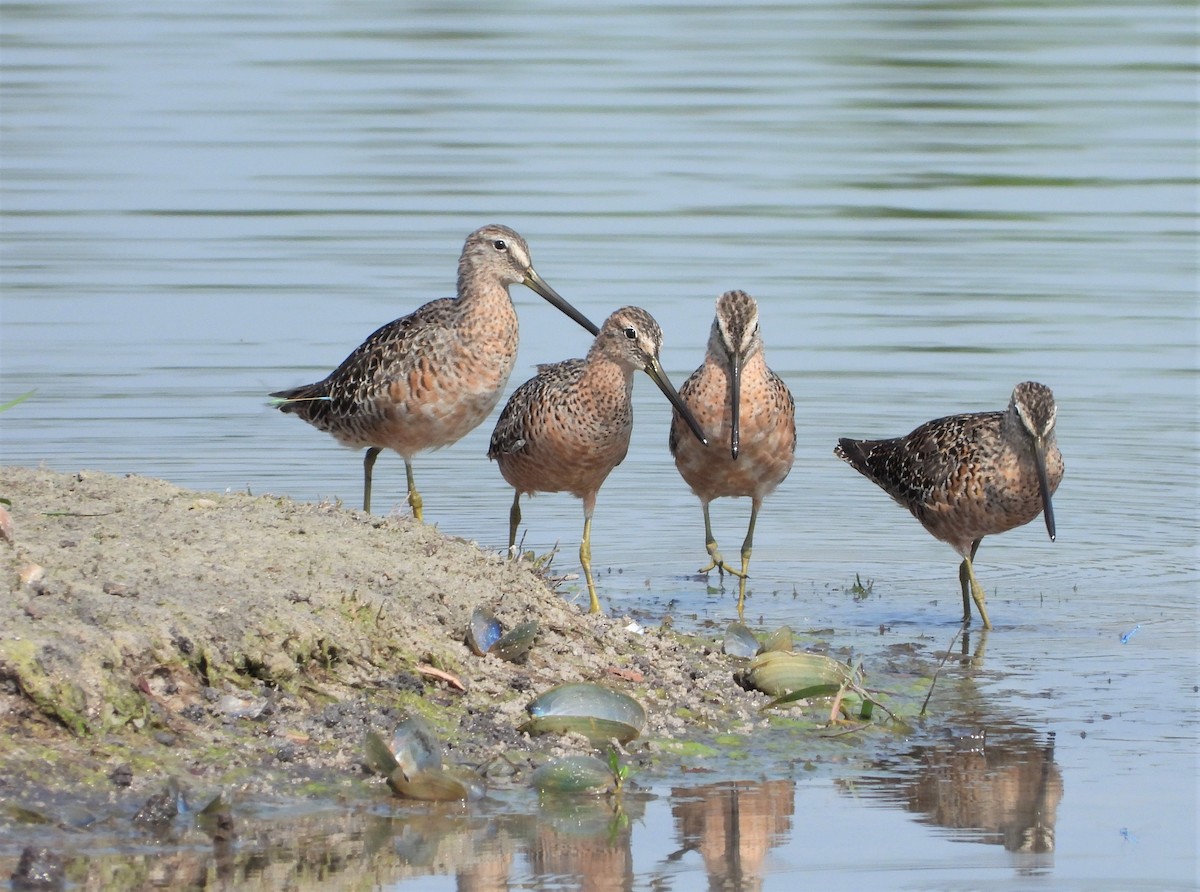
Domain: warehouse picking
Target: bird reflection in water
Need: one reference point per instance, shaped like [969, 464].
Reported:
[733, 826]
[1004, 786]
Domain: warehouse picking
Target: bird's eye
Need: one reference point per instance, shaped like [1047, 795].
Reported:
[631, 333]
[500, 244]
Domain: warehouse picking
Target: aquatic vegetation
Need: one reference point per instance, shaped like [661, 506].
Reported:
[859, 590]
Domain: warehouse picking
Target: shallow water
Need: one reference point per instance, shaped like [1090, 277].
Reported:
[931, 203]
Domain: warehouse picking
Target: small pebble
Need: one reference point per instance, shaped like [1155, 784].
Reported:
[161, 808]
[31, 573]
[39, 869]
[122, 775]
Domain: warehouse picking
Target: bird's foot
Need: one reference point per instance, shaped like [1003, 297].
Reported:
[718, 564]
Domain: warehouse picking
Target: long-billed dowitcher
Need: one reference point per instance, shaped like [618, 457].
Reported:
[428, 378]
[741, 403]
[973, 475]
[568, 426]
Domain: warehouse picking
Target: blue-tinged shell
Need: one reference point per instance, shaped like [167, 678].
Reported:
[740, 641]
[483, 631]
[599, 713]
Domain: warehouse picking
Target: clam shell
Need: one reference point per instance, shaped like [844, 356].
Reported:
[429, 783]
[483, 631]
[595, 711]
[573, 774]
[378, 757]
[779, 672]
[415, 747]
[430, 786]
[780, 639]
[740, 641]
[515, 645]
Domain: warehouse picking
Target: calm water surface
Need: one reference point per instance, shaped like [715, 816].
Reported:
[931, 202]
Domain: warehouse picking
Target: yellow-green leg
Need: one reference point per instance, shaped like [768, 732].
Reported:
[414, 497]
[514, 521]
[585, 552]
[710, 543]
[971, 588]
[368, 468]
[747, 548]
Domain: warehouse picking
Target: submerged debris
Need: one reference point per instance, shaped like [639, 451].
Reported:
[162, 808]
[216, 819]
[39, 868]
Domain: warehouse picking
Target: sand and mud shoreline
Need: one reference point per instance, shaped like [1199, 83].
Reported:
[229, 635]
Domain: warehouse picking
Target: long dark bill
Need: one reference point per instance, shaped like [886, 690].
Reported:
[735, 381]
[537, 284]
[654, 370]
[1039, 459]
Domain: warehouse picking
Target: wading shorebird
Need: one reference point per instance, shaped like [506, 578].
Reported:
[973, 475]
[427, 379]
[748, 412]
[567, 427]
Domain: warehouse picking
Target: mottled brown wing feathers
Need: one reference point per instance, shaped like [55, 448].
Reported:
[542, 393]
[346, 390]
[916, 468]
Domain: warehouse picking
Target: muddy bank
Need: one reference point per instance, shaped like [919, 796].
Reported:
[161, 647]
[225, 637]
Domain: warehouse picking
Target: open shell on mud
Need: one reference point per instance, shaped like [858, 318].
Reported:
[435, 786]
[780, 639]
[514, 645]
[595, 711]
[412, 765]
[778, 672]
[486, 635]
[483, 631]
[740, 641]
[574, 774]
[416, 747]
